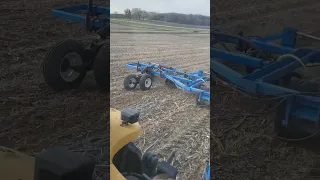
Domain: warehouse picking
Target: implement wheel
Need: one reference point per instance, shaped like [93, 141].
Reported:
[130, 82]
[145, 82]
[101, 67]
[63, 67]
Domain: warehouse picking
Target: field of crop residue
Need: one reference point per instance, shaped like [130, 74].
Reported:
[242, 139]
[170, 118]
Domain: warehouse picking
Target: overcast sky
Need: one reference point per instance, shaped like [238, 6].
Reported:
[163, 6]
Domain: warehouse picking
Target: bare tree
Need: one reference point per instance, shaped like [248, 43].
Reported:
[136, 13]
[144, 15]
[127, 13]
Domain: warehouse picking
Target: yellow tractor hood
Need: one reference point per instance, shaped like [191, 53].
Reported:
[15, 165]
[119, 137]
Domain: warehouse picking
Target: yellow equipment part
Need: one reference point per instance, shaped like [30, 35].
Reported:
[15, 165]
[119, 137]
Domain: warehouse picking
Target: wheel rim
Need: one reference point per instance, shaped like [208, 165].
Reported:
[70, 60]
[147, 82]
[132, 82]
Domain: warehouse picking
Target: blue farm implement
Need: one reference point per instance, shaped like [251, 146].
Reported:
[206, 173]
[68, 61]
[270, 69]
[191, 82]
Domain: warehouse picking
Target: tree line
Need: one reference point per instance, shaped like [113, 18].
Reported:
[139, 14]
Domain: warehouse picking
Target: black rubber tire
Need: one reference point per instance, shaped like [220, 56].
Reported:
[127, 81]
[52, 61]
[142, 81]
[101, 67]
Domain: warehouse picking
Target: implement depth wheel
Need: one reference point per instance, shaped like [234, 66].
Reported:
[63, 66]
[145, 82]
[130, 82]
[101, 67]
